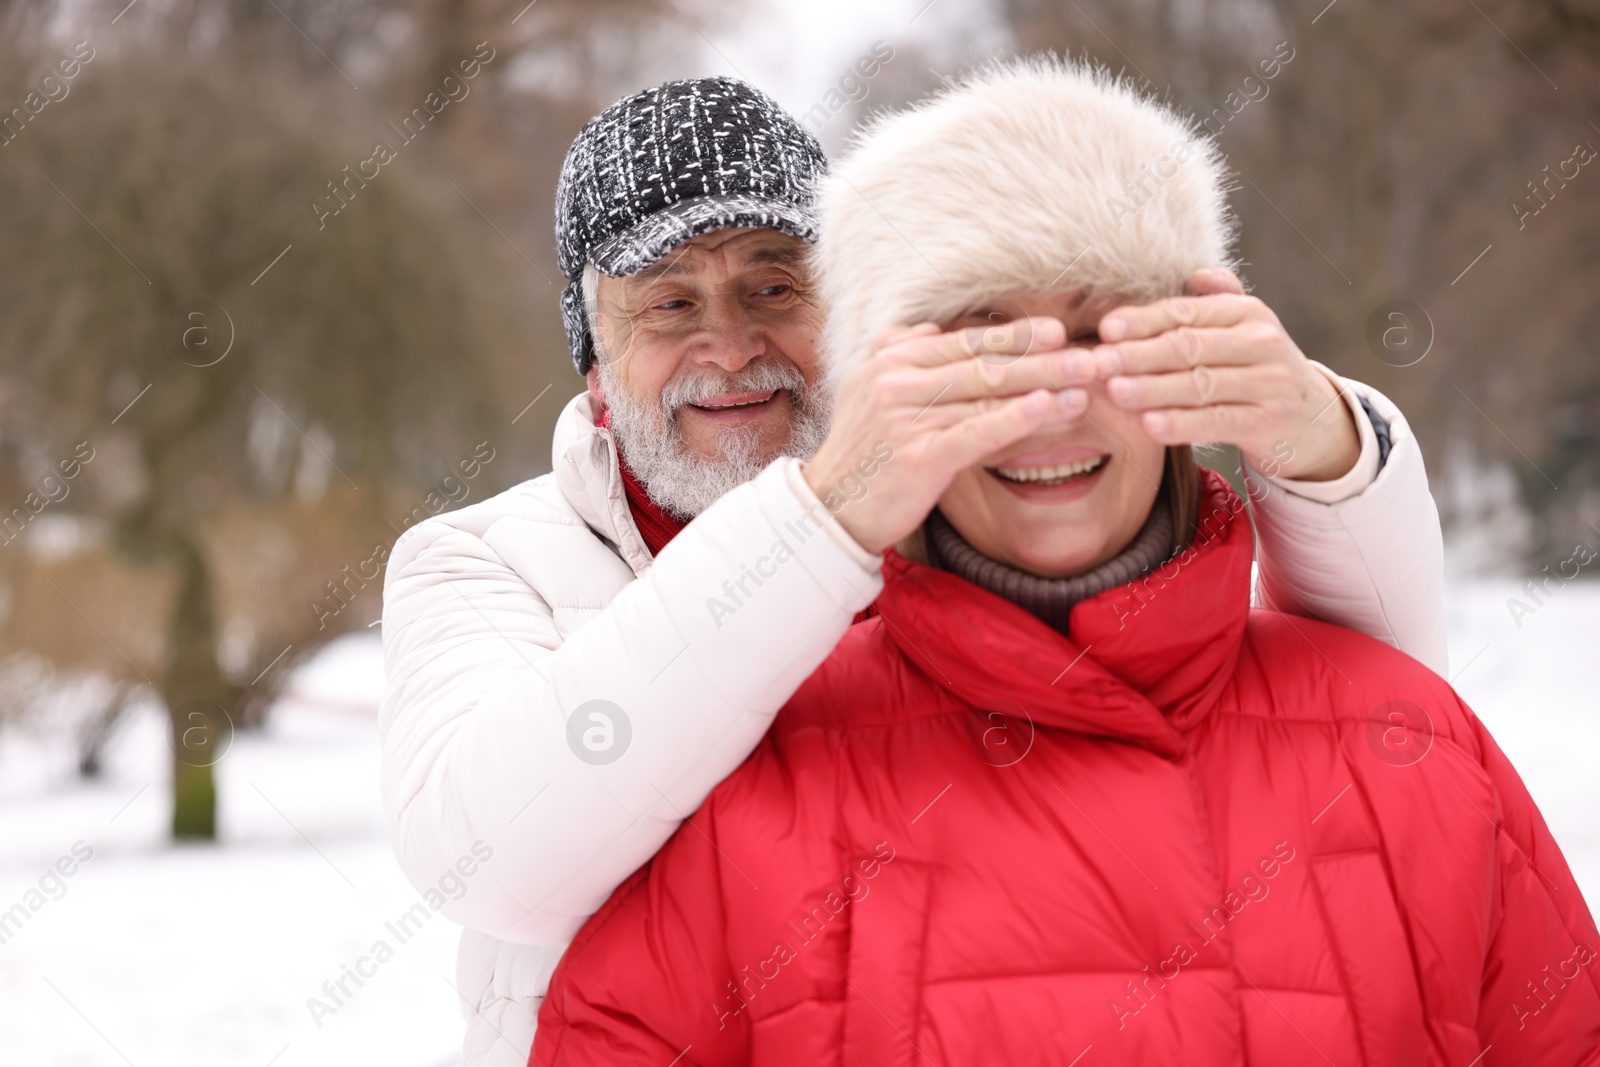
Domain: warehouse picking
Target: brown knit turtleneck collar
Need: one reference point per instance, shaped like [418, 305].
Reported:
[1051, 599]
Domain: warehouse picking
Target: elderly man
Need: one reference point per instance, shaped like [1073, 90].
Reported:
[574, 664]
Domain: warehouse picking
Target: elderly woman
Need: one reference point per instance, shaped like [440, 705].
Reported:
[1068, 798]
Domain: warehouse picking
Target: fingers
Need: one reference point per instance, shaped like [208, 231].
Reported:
[1007, 422]
[1186, 347]
[1187, 389]
[919, 366]
[1211, 280]
[973, 378]
[995, 343]
[1137, 321]
[895, 334]
[1192, 426]
[1073, 403]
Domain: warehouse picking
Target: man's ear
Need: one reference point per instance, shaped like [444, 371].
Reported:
[592, 377]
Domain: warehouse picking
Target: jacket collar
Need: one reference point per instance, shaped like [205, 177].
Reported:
[588, 473]
[1144, 662]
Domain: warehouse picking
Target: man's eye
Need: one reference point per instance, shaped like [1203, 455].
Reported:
[774, 290]
[672, 305]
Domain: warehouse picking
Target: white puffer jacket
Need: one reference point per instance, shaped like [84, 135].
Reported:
[505, 618]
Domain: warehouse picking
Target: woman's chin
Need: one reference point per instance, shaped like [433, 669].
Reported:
[1048, 561]
[1052, 542]
[1049, 550]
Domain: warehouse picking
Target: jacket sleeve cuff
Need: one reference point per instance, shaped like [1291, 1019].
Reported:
[870, 563]
[1357, 478]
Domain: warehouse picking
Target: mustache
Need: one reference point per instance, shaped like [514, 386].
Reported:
[762, 376]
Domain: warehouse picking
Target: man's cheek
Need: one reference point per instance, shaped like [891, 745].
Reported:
[797, 333]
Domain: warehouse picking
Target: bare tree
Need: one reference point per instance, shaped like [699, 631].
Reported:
[168, 296]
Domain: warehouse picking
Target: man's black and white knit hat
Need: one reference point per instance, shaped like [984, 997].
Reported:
[662, 166]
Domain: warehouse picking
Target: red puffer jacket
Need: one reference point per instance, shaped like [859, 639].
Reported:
[1193, 833]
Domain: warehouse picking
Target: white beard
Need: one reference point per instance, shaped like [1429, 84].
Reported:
[651, 438]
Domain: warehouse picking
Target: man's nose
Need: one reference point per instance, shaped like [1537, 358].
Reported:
[730, 336]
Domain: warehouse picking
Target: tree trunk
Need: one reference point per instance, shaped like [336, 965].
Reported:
[195, 691]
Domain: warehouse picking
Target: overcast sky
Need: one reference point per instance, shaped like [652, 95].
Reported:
[797, 51]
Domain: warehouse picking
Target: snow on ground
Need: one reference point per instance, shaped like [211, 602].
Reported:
[1534, 680]
[206, 955]
[149, 954]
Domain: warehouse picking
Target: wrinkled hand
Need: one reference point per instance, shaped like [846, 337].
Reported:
[923, 404]
[1219, 366]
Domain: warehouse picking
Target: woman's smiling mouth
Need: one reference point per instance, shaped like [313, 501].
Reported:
[1055, 474]
[1051, 477]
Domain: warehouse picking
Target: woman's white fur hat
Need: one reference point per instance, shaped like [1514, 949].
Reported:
[1033, 174]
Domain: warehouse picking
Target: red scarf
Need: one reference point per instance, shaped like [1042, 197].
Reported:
[656, 524]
